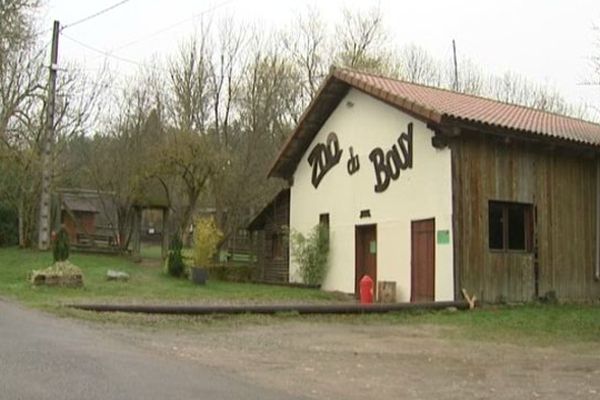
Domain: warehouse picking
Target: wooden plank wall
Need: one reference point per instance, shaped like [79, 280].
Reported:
[275, 269]
[561, 187]
[85, 221]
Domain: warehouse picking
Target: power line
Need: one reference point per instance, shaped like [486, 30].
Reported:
[96, 14]
[108, 54]
[176, 24]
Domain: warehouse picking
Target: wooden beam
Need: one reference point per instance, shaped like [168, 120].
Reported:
[540, 141]
[471, 300]
[439, 142]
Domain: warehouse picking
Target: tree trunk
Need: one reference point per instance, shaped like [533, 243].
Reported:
[186, 219]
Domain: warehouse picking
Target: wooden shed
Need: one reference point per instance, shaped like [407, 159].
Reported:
[88, 217]
[439, 191]
[270, 231]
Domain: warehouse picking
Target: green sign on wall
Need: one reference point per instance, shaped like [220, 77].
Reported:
[443, 236]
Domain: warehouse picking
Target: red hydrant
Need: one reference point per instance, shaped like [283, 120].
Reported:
[366, 290]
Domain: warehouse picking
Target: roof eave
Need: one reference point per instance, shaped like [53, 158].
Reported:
[520, 134]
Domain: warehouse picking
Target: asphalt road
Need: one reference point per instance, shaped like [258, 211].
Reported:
[43, 357]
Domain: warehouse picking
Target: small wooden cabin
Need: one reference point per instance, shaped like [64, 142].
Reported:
[78, 216]
[89, 216]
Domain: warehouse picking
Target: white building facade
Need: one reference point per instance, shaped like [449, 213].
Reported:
[385, 191]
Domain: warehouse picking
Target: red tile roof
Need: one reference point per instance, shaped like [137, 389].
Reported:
[445, 103]
[430, 104]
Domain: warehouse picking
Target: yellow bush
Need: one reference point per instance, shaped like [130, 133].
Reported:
[206, 239]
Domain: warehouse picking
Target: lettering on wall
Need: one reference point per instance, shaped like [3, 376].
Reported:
[388, 165]
[323, 157]
[353, 162]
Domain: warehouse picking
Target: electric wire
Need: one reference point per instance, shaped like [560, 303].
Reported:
[96, 14]
[107, 54]
[110, 54]
[176, 24]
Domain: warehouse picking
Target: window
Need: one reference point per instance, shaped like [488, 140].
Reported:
[324, 219]
[510, 226]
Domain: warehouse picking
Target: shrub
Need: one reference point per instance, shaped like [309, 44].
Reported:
[175, 265]
[311, 253]
[206, 239]
[60, 248]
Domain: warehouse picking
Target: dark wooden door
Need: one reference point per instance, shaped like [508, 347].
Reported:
[366, 255]
[423, 261]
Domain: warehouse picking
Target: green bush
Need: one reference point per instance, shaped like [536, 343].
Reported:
[311, 253]
[60, 248]
[206, 239]
[175, 265]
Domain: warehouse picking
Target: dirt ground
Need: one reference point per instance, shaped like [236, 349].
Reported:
[331, 360]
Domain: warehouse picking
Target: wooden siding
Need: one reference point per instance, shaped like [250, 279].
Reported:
[274, 267]
[562, 189]
[86, 223]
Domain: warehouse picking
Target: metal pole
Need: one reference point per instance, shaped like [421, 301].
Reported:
[48, 140]
[455, 66]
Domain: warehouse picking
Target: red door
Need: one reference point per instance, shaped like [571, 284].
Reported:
[423, 261]
[366, 255]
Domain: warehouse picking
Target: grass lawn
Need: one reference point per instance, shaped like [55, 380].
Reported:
[534, 323]
[148, 284]
[524, 324]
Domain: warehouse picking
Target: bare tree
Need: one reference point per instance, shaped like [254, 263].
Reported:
[225, 66]
[17, 24]
[120, 159]
[516, 89]
[266, 109]
[22, 109]
[471, 79]
[189, 74]
[309, 48]
[21, 65]
[363, 42]
[418, 66]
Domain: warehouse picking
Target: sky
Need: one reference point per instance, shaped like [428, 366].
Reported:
[548, 41]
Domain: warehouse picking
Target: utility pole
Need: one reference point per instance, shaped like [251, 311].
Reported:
[455, 66]
[47, 144]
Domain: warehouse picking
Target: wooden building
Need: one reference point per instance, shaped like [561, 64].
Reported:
[91, 218]
[88, 217]
[438, 191]
[269, 229]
